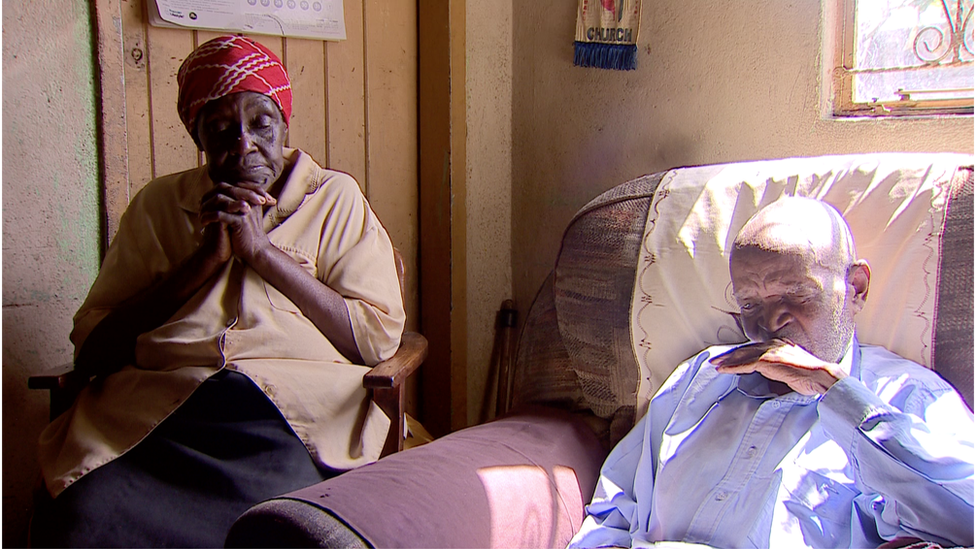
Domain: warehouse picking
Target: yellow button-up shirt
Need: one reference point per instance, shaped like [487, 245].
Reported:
[238, 321]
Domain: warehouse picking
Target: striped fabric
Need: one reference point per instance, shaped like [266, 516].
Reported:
[227, 65]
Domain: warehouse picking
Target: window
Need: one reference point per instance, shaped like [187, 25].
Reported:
[904, 57]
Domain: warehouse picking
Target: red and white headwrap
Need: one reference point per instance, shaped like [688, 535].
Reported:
[227, 65]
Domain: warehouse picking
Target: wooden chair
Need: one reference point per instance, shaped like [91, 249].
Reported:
[387, 380]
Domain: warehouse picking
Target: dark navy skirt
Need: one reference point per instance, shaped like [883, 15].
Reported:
[225, 449]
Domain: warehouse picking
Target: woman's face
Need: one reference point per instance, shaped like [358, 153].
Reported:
[243, 136]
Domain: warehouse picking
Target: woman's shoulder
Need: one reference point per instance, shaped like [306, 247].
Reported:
[181, 187]
[320, 180]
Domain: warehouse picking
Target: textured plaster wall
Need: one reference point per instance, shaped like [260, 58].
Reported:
[488, 74]
[716, 82]
[50, 219]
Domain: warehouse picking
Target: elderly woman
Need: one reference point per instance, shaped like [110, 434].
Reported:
[228, 330]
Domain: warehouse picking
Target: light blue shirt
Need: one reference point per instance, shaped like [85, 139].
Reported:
[719, 460]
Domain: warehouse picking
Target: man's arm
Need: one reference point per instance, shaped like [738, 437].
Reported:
[612, 513]
[915, 465]
[783, 361]
[917, 460]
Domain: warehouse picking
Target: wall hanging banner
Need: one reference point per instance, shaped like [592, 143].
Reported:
[606, 34]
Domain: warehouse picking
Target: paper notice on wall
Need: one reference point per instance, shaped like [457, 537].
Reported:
[320, 19]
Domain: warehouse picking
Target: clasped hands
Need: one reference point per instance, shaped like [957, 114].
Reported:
[232, 216]
[784, 361]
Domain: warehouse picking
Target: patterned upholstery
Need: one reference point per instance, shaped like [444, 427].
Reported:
[575, 351]
[954, 316]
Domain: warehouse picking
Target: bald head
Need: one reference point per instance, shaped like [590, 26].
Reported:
[795, 277]
[796, 224]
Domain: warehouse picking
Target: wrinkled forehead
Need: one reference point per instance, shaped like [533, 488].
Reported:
[800, 226]
[756, 266]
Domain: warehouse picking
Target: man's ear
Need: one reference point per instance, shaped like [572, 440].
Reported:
[859, 276]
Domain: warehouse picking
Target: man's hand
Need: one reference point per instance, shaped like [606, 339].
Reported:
[781, 360]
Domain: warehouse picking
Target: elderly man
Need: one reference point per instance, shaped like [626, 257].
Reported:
[803, 438]
[228, 329]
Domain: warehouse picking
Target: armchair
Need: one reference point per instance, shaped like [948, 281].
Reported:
[600, 338]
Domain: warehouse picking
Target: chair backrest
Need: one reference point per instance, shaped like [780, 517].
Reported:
[398, 262]
[577, 349]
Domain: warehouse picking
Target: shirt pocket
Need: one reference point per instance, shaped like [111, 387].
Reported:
[821, 504]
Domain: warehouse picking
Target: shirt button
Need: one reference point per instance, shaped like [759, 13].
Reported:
[775, 405]
[751, 452]
[270, 390]
[721, 496]
[231, 321]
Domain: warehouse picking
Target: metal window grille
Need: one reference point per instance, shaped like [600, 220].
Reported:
[905, 57]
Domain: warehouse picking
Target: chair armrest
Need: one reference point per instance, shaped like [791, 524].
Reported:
[386, 381]
[64, 384]
[541, 463]
[59, 377]
[393, 371]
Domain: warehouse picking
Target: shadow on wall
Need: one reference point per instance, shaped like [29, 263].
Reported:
[25, 414]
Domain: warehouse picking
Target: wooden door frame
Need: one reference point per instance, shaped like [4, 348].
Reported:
[111, 136]
[443, 272]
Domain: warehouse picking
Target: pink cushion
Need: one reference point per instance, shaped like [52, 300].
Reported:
[521, 481]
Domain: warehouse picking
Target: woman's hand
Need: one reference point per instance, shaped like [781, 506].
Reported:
[232, 217]
[236, 212]
[216, 243]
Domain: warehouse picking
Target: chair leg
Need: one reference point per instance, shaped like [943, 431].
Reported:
[393, 402]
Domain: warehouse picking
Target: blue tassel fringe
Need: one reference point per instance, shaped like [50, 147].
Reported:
[605, 56]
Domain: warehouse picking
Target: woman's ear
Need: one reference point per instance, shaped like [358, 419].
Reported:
[859, 277]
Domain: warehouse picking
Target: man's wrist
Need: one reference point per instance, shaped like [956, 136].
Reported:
[844, 407]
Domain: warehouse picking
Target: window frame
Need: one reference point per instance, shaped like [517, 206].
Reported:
[843, 74]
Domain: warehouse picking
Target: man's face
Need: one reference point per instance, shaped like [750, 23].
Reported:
[243, 136]
[787, 295]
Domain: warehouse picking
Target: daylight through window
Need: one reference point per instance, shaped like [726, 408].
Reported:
[905, 57]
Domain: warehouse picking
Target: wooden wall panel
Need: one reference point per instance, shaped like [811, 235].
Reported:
[114, 158]
[391, 126]
[305, 62]
[173, 150]
[346, 101]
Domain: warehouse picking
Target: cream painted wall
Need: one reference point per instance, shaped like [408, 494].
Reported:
[716, 82]
[50, 219]
[489, 185]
